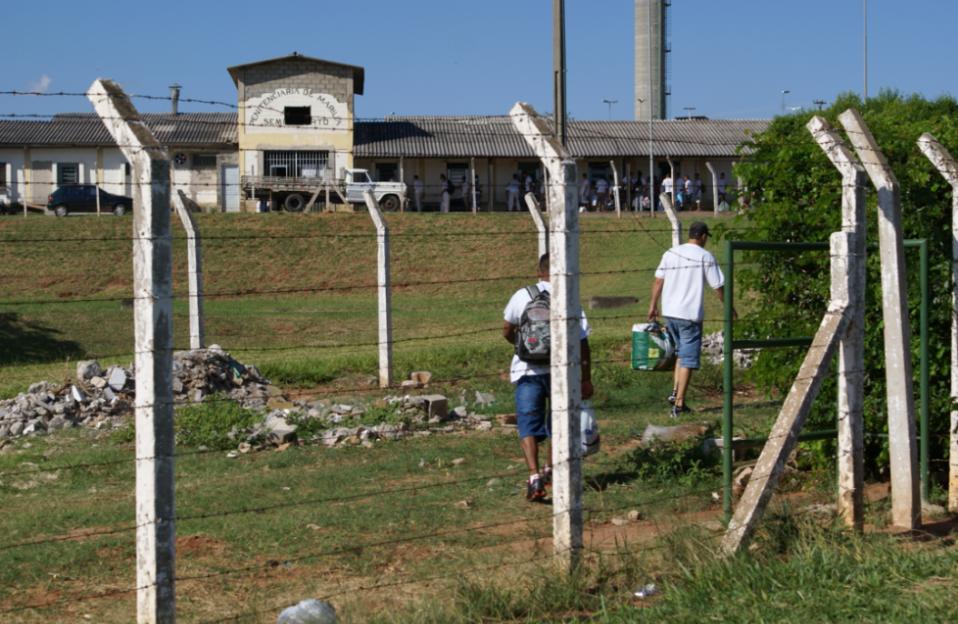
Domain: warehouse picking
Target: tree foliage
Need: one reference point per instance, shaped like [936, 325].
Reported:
[798, 194]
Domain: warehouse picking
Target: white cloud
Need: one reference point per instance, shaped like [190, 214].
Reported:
[40, 86]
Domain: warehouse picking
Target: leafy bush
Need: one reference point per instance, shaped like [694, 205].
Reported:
[207, 423]
[800, 192]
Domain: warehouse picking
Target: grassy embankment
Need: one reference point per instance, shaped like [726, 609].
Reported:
[343, 521]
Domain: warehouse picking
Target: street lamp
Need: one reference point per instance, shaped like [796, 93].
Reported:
[690, 112]
[610, 103]
[818, 103]
[783, 101]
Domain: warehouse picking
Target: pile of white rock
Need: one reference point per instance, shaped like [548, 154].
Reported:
[104, 397]
[713, 346]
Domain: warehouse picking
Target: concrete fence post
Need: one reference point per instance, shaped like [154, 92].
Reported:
[615, 189]
[851, 357]
[194, 257]
[385, 292]
[673, 217]
[715, 194]
[905, 491]
[566, 365]
[153, 328]
[795, 410]
[540, 224]
[948, 167]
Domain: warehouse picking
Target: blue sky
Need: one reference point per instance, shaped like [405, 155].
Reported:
[730, 59]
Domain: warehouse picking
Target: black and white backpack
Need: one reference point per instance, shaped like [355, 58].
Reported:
[533, 337]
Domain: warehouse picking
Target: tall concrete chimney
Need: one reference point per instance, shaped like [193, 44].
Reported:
[175, 96]
[656, 67]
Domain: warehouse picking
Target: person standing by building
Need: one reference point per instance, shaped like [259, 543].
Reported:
[512, 194]
[584, 191]
[530, 184]
[667, 190]
[533, 386]
[698, 190]
[417, 189]
[601, 192]
[466, 200]
[444, 207]
[478, 194]
[721, 186]
[680, 281]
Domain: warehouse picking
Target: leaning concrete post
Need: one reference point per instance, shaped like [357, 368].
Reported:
[385, 292]
[540, 224]
[791, 420]
[851, 356]
[566, 399]
[715, 201]
[194, 259]
[946, 165]
[153, 328]
[615, 190]
[673, 215]
[905, 491]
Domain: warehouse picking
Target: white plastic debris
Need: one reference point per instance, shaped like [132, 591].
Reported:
[647, 590]
[309, 612]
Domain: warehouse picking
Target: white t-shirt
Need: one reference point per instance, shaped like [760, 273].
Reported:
[584, 190]
[667, 185]
[513, 315]
[528, 184]
[465, 189]
[445, 187]
[417, 186]
[722, 184]
[513, 186]
[601, 186]
[686, 269]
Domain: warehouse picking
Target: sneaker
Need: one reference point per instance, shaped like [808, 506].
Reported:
[673, 397]
[547, 477]
[678, 410]
[535, 491]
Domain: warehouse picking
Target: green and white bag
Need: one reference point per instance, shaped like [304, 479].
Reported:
[653, 348]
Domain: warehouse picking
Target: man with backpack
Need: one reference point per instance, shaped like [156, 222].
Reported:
[527, 327]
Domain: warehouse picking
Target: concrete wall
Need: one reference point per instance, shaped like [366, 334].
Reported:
[16, 182]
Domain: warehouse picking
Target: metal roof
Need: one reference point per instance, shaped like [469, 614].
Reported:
[86, 129]
[496, 137]
[359, 73]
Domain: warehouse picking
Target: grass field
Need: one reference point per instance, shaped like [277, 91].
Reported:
[396, 532]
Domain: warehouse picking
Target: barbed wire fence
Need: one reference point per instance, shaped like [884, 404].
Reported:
[153, 457]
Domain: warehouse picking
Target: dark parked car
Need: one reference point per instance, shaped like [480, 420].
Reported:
[82, 198]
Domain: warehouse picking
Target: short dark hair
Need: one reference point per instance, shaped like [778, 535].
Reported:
[544, 264]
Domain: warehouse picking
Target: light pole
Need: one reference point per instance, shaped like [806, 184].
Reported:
[818, 103]
[690, 112]
[610, 103]
[865, 25]
[783, 101]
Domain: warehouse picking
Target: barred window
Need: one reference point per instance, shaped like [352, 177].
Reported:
[203, 159]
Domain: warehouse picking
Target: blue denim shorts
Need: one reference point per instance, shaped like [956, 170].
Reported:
[532, 392]
[688, 341]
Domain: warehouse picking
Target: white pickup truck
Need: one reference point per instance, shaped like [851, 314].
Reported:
[389, 194]
[293, 194]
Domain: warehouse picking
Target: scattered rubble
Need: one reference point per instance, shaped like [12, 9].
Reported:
[713, 347]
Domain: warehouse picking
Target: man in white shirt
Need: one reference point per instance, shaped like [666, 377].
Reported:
[584, 191]
[512, 193]
[533, 386]
[417, 189]
[445, 193]
[722, 185]
[667, 188]
[680, 281]
[601, 192]
[529, 186]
